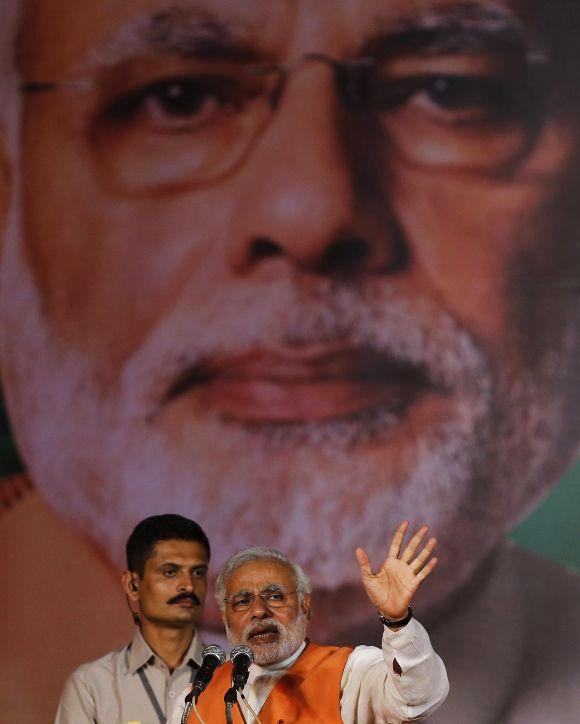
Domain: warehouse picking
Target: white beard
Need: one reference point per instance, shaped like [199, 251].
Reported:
[291, 639]
[314, 491]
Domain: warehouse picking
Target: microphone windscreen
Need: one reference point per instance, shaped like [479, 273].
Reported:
[215, 650]
[241, 651]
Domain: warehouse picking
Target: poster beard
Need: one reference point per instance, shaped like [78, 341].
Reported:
[468, 454]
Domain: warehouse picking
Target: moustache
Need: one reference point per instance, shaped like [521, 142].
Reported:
[268, 625]
[186, 596]
[372, 334]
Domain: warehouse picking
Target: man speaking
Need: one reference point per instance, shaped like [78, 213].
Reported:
[265, 601]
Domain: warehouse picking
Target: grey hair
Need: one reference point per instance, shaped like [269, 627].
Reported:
[259, 553]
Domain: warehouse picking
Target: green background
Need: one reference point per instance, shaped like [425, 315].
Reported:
[553, 530]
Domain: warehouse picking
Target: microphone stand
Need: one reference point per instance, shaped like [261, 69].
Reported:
[230, 698]
[190, 703]
[187, 709]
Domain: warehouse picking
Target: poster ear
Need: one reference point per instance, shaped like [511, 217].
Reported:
[6, 182]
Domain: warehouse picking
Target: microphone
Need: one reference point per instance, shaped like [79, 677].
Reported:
[241, 657]
[213, 656]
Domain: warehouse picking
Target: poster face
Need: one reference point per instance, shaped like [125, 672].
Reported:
[299, 271]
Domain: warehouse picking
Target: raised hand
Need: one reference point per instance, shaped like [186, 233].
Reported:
[392, 587]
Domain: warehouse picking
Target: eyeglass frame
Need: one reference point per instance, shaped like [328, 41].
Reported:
[261, 595]
[344, 72]
[282, 69]
[354, 88]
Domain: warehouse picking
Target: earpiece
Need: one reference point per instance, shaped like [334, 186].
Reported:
[133, 588]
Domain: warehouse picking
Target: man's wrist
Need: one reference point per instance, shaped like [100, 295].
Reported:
[397, 623]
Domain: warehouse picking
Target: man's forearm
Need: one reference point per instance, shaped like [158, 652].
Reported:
[405, 680]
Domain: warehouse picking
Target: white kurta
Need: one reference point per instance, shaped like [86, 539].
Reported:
[371, 690]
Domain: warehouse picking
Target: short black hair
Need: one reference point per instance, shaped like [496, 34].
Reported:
[150, 531]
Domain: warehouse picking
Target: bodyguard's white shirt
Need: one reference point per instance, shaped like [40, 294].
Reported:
[110, 690]
[371, 690]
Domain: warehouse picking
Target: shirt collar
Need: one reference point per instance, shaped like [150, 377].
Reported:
[140, 653]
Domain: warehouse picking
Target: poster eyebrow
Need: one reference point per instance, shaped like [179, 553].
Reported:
[461, 28]
[180, 32]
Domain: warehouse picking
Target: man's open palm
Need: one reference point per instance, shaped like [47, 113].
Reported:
[392, 587]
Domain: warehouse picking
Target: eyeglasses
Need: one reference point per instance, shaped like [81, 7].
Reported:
[272, 598]
[198, 121]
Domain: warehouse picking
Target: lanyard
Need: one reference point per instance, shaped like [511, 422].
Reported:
[151, 694]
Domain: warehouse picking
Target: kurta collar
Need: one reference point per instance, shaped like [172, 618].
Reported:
[282, 665]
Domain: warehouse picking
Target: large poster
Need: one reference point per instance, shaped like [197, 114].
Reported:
[298, 270]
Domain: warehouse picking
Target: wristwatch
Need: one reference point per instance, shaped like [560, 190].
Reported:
[397, 624]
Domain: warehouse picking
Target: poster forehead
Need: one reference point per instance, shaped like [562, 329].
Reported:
[278, 27]
[112, 26]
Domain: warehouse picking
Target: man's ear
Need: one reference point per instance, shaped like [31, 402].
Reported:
[306, 605]
[130, 585]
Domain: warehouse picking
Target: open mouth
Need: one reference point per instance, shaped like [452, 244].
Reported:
[264, 635]
[304, 384]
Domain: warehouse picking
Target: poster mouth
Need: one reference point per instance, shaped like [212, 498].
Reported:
[308, 384]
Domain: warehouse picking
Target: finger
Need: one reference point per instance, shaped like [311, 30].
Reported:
[419, 562]
[414, 543]
[397, 541]
[426, 570]
[363, 562]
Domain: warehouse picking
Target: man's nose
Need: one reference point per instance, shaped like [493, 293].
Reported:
[309, 197]
[259, 609]
[185, 582]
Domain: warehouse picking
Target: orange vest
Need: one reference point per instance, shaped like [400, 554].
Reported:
[308, 692]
